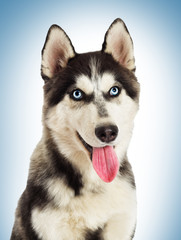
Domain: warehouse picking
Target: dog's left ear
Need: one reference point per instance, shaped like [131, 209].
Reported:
[119, 44]
[56, 52]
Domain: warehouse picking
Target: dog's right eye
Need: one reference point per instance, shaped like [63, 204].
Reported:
[77, 95]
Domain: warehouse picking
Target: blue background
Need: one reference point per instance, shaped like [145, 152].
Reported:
[154, 151]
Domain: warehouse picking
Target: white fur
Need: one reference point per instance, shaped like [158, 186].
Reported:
[121, 112]
[109, 206]
[115, 206]
[68, 221]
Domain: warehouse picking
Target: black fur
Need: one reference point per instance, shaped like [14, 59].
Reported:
[56, 88]
[36, 196]
[33, 196]
[126, 171]
[63, 168]
[94, 235]
[85, 97]
[48, 163]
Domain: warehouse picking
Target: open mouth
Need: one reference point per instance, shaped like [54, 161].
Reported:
[86, 145]
[104, 160]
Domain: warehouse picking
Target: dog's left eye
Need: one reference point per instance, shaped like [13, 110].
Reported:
[114, 91]
[77, 94]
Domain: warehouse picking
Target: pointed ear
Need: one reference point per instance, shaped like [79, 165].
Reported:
[56, 52]
[119, 44]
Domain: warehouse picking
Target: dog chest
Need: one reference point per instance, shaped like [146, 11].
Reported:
[72, 218]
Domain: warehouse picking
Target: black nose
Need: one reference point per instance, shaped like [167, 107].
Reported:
[106, 133]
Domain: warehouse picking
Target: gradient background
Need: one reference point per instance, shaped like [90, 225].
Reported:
[154, 153]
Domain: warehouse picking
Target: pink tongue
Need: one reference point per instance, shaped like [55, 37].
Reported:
[105, 163]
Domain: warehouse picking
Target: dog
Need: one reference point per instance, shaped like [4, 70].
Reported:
[80, 184]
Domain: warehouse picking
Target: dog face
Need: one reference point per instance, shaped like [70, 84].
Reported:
[90, 98]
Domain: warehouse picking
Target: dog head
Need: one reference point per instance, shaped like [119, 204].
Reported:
[90, 98]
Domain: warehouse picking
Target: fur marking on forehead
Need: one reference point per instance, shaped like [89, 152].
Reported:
[96, 78]
[95, 68]
[103, 81]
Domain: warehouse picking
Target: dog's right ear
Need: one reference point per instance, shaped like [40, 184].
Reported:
[56, 52]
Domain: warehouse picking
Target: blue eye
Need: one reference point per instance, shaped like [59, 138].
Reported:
[114, 91]
[77, 94]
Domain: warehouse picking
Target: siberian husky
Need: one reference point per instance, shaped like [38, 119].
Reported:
[80, 184]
